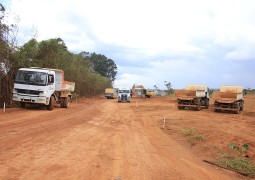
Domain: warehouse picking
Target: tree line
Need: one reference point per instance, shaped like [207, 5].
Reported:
[91, 72]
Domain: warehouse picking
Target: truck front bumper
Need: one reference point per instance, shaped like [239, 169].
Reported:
[31, 99]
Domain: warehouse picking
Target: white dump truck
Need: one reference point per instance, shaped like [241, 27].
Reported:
[194, 96]
[111, 93]
[42, 86]
[229, 98]
[124, 95]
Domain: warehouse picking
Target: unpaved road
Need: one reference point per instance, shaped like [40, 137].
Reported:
[103, 139]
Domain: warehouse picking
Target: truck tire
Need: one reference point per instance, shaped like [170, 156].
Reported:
[241, 105]
[66, 102]
[62, 102]
[237, 108]
[50, 107]
[180, 107]
[198, 107]
[22, 104]
[206, 104]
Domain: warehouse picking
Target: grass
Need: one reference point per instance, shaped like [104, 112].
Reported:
[251, 92]
[193, 136]
[240, 164]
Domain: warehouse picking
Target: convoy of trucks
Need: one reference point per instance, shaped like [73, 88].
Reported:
[111, 93]
[193, 96]
[42, 86]
[47, 86]
[229, 98]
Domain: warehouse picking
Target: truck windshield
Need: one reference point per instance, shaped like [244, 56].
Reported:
[31, 78]
[123, 91]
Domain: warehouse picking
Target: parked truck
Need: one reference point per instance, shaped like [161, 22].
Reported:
[229, 98]
[149, 93]
[124, 95]
[111, 93]
[42, 86]
[194, 95]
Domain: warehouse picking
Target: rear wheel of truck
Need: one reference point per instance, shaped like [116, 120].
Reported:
[241, 105]
[207, 104]
[50, 107]
[62, 102]
[180, 107]
[237, 108]
[66, 102]
[198, 108]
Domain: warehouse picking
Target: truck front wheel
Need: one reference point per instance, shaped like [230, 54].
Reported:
[50, 107]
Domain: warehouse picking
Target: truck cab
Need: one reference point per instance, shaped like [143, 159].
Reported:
[42, 86]
[33, 86]
[124, 95]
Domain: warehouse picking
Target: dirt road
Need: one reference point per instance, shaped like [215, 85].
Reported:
[99, 139]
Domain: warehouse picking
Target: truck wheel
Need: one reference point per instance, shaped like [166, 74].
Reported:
[62, 102]
[180, 107]
[66, 102]
[50, 107]
[237, 108]
[198, 106]
[207, 104]
[22, 104]
[241, 106]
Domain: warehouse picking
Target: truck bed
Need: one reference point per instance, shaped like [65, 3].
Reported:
[68, 86]
[188, 94]
[227, 97]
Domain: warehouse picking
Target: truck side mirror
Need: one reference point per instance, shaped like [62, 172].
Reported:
[50, 79]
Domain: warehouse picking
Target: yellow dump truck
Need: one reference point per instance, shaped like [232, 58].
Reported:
[149, 93]
[111, 93]
[230, 98]
[193, 96]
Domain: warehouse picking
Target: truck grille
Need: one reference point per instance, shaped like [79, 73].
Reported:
[124, 97]
[27, 91]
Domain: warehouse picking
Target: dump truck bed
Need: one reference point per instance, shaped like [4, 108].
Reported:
[188, 94]
[227, 97]
[68, 86]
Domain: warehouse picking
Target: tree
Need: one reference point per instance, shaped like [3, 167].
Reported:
[91, 78]
[102, 65]
[8, 44]
[169, 87]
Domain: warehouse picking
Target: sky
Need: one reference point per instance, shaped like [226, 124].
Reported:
[208, 42]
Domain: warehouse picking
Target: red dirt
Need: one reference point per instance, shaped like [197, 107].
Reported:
[103, 139]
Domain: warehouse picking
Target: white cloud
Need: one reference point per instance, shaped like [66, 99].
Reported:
[163, 38]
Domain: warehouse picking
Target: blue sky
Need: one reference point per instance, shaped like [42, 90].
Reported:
[183, 42]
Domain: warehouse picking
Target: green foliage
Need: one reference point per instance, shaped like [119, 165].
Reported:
[193, 136]
[91, 72]
[101, 64]
[245, 147]
[245, 166]
[239, 148]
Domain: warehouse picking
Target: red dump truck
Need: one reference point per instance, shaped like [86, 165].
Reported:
[42, 86]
